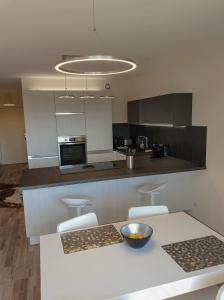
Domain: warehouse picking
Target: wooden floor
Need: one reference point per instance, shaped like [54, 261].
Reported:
[19, 263]
[11, 174]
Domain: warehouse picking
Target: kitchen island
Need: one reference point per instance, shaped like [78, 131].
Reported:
[144, 166]
[112, 191]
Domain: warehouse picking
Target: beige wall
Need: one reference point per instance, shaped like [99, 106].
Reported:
[200, 72]
[12, 142]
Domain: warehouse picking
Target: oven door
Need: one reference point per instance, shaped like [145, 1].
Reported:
[72, 154]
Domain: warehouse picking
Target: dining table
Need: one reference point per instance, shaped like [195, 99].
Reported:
[182, 256]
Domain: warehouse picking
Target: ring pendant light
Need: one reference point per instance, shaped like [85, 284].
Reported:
[63, 66]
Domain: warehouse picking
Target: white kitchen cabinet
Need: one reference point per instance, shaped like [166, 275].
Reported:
[75, 105]
[67, 122]
[71, 125]
[105, 156]
[43, 161]
[40, 123]
[120, 156]
[98, 124]
[100, 157]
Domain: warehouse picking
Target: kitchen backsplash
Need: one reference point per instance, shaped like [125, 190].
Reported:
[188, 143]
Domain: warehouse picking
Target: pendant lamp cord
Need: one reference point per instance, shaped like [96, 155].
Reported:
[65, 83]
[86, 85]
[94, 18]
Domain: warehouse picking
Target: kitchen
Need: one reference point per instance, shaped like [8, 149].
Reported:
[117, 130]
[89, 154]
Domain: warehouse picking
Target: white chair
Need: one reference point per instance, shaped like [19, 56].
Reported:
[151, 190]
[75, 205]
[212, 293]
[84, 221]
[145, 211]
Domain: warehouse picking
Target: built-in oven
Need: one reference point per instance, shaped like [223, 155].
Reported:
[72, 150]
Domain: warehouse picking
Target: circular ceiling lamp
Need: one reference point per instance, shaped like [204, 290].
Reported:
[107, 97]
[95, 65]
[66, 97]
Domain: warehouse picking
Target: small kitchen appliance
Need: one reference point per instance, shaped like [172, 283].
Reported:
[72, 150]
[142, 142]
[159, 150]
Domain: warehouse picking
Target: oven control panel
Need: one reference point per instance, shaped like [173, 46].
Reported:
[72, 139]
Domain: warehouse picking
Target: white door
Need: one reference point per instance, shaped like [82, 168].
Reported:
[99, 124]
[40, 123]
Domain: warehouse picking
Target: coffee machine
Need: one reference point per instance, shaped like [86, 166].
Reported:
[142, 142]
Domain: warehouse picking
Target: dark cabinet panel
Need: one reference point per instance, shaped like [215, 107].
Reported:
[156, 110]
[133, 111]
[172, 109]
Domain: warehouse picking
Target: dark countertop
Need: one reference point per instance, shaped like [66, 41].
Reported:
[144, 166]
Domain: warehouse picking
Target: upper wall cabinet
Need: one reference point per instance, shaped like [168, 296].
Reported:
[166, 110]
[40, 123]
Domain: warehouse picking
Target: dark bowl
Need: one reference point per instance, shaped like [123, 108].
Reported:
[134, 228]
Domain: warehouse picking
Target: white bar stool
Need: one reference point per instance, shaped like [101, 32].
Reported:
[75, 205]
[151, 190]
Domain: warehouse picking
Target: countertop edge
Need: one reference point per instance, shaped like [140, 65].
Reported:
[89, 180]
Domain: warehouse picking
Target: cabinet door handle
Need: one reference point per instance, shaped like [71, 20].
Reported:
[41, 156]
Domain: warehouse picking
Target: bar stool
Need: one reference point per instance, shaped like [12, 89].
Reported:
[151, 190]
[75, 205]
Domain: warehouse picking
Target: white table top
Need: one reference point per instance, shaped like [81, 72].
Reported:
[121, 272]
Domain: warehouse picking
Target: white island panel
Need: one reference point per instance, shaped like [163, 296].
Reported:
[111, 200]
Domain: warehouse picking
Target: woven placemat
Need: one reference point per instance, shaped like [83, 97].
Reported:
[198, 253]
[86, 239]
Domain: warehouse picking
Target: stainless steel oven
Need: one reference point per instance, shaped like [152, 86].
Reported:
[72, 150]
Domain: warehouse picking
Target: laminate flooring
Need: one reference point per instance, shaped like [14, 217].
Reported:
[11, 174]
[19, 262]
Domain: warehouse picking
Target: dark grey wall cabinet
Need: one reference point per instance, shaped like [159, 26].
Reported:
[172, 109]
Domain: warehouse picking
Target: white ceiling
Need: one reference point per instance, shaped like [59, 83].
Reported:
[34, 34]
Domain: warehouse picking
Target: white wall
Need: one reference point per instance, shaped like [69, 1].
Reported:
[200, 72]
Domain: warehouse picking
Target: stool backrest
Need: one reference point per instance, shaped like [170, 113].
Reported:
[84, 221]
[220, 295]
[145, 211]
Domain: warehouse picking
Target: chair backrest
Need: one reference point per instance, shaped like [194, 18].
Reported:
[145, 211]
[84, 221]
[220, 295]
